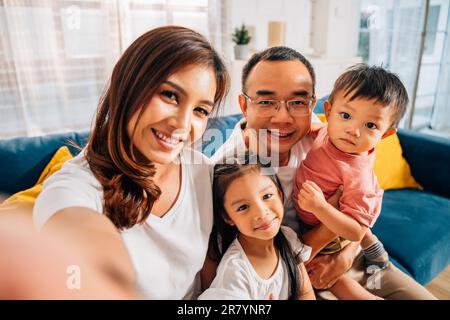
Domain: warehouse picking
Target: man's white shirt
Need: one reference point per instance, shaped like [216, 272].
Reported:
[285, 174]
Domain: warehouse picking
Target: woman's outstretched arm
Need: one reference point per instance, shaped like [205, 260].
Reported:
[86, 231]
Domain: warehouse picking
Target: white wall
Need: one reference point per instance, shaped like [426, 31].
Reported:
[326, 31]
[335, 27]
[328, 28]
[256, 14]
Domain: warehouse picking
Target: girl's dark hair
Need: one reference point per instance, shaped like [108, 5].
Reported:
[223, 234]
[129, 191]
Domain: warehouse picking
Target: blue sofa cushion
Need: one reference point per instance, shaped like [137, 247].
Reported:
[414, 232]
[429, 159]
[23, 159]
[226, 126]
[319, 105]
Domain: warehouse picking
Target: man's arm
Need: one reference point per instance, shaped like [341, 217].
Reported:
[325, 270]
[306, 289]
[317, 238]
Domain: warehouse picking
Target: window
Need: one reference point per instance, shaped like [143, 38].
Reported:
[390, 36]
[56, 56]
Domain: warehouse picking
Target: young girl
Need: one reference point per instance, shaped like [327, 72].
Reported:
[364, 107]
[259, 259]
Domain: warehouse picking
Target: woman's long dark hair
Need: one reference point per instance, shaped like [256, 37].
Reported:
[224, 234]
[129, 191]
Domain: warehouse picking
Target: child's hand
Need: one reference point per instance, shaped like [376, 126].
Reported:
[311, 197]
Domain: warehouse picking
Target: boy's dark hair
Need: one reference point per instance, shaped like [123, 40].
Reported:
[223, 234]
[277, 54]
[376, 83]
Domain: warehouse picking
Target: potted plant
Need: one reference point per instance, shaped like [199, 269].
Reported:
[241, 39]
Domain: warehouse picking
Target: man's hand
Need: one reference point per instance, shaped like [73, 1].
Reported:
[325, 270]
[311, 198]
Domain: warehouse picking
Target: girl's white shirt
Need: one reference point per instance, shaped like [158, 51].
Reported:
[236, 279]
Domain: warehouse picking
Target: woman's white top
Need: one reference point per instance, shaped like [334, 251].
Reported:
[236, 279]
[167, 252]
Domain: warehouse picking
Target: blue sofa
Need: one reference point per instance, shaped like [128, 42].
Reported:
[414, 225]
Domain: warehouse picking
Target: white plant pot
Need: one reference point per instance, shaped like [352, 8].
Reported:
[241, 52]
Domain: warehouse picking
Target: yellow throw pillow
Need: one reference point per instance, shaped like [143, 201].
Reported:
[391, 169]
[322, 117]
[28, 197]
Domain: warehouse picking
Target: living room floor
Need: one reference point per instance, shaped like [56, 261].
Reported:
[440, 286]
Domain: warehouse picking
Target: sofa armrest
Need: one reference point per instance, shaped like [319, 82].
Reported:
[429, 159]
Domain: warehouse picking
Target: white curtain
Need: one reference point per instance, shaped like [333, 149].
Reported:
[395, 28]
[56, 56]
[441, 111]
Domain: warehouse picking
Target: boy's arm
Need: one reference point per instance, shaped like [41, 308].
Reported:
[319, 236]
[311, 199]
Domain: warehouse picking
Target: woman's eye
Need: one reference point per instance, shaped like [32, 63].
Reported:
[267, 196]
[169, 96]
[242, 208]
[371, 125]
[203, 112]
[345, 115]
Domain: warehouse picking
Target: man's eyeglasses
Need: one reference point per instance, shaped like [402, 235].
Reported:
[299, 107]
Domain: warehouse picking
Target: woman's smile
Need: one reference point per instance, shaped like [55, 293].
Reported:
[166, 141]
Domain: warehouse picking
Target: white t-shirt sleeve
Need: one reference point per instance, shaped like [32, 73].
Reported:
[297, 246]
[69, 187]
[232, 282]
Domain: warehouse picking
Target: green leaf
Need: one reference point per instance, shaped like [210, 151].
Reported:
[240, 35]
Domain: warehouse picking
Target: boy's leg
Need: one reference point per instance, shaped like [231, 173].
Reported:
[374, 253]
[390, 283]
[348, 289]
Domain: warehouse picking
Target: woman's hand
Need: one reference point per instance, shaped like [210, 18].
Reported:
[325, 270]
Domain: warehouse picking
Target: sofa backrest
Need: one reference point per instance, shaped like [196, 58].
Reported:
[23, 159]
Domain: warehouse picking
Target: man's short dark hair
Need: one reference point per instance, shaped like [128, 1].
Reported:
[277, 54]
[370, 83]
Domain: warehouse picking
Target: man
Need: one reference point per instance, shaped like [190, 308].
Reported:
[275, 83]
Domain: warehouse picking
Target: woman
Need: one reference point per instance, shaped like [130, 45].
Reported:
[154, 194]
